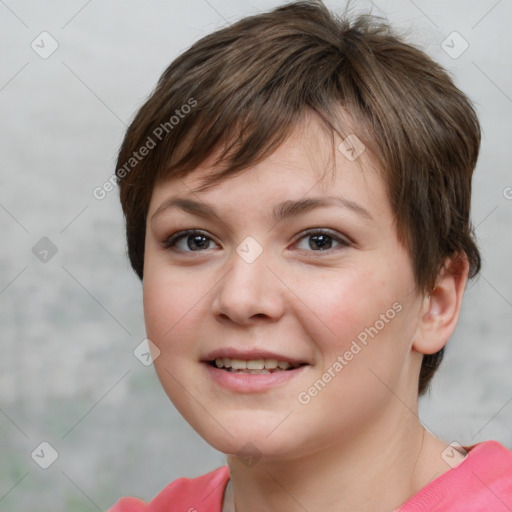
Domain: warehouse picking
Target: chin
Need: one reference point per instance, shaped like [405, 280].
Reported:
[245, 438]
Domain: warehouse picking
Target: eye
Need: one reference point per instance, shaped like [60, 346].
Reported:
[194, 241]
[322, 240]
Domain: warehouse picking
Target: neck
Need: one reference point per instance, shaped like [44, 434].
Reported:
[377, 471]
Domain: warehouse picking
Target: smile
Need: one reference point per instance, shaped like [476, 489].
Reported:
[253, 366]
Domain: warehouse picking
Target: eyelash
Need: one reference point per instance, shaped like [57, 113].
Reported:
[171, 241]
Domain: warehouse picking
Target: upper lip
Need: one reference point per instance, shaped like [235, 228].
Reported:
[249, 355]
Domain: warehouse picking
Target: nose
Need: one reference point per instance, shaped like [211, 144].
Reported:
[249, 292]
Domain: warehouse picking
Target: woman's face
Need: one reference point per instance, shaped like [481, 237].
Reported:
[253, 288]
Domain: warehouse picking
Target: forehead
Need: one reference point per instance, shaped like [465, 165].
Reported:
[311, 160]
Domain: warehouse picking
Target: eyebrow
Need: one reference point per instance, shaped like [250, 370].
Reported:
[286, 209]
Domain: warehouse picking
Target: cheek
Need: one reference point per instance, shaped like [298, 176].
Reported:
[172, 310]
[172, 301]
[366, 319]
[347, 304]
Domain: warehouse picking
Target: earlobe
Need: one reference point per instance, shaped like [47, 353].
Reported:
[442, 306]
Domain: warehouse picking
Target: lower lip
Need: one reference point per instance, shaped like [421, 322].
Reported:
[250, 382]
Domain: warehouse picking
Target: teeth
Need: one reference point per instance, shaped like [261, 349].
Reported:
[258, 365]
[238, 364]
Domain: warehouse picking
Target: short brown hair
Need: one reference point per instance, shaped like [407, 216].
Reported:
[248, 85]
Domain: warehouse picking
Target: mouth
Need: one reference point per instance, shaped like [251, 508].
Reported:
[253, 366]
[252, 370]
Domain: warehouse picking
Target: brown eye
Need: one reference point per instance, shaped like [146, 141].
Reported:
[321, 240]
[191, 240]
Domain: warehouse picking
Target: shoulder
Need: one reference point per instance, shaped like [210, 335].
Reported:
[190, 494]
[492, 466]
[481, 481]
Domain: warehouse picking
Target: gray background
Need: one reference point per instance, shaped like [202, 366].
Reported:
[69, 325]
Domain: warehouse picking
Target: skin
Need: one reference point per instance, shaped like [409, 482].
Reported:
[361, 432]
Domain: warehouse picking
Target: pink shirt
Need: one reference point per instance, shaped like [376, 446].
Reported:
[482, 482]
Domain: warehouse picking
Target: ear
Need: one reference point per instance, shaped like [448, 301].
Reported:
[441, 307]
